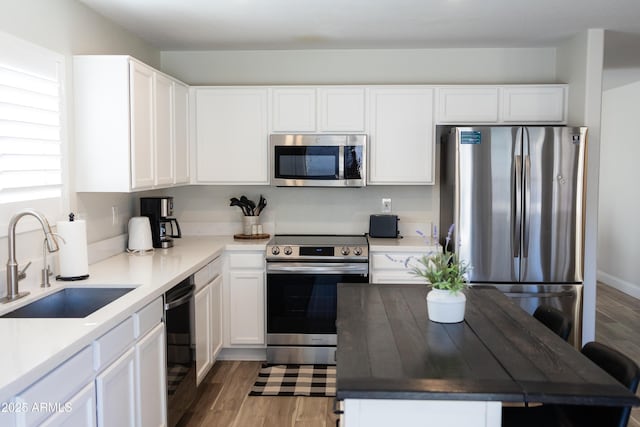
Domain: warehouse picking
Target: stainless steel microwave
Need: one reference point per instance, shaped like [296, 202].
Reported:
[314, 160]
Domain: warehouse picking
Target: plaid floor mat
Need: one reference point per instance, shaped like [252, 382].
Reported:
[295, 380]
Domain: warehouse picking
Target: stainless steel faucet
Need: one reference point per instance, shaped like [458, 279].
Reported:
[13, 275]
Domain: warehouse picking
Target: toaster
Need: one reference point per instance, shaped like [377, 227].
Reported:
[383, 226]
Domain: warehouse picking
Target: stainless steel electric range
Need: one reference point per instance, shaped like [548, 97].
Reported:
[302, 276]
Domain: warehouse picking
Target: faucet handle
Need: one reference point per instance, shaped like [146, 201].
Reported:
[23, 273]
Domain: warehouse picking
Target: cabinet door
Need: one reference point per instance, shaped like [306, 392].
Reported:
[467, 105]
[115, 391]
[216, 317]
[203, 332]
[231, 136]
[341, 109]
[151, 379]
[401, 149]
[181, 133]
[294, 109]
[81, 411]
[163, 131]
[246, 307]
[534, 104]
[141, 94]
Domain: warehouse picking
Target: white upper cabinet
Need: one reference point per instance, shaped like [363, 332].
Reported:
[231, 136]
[142, 129]
[325, 109]
[294, 109]
[401, 149]
[124, 125]
[181, 133]
[467, 105]
[341, 109]
[542, 104]
[534, 104]
[163, 131]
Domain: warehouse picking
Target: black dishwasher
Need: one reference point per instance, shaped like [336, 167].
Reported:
[181, 365]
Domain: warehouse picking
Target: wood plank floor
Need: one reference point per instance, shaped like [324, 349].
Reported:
[618, 325]
[224, 400]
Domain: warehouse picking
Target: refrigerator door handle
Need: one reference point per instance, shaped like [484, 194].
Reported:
[517, 206]
[526, 215]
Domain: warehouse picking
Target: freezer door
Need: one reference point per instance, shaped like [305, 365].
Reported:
[484, 212]
[553, 208]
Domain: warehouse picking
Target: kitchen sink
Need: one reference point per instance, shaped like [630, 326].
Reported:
[69, 303]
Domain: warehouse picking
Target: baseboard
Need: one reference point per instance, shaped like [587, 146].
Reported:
[619, 284]
[253, 354]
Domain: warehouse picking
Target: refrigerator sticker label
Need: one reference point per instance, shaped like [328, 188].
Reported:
[470, 137]
[575, 139]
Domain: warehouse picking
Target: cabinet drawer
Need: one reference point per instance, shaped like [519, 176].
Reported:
[395, 261]
[56, 388]
[144, 320]
[112, 344]
[246, 260]
[207, 273]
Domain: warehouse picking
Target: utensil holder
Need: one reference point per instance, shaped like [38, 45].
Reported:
[247, 224]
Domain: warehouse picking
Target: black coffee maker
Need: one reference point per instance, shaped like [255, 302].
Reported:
[164, 227]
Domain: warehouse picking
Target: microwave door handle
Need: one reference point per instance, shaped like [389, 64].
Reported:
[341, 162]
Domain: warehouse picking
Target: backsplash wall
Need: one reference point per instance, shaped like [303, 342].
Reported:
[206, 210]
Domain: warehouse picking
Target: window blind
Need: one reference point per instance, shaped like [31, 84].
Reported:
[31, 127]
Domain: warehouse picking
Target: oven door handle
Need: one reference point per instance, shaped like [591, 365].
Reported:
[318, 268]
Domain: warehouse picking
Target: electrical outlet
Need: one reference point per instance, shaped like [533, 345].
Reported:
[386, 205]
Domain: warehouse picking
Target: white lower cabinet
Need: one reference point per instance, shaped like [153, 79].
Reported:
[208, 316]
[48, 396]
[119, 380]
[115, 393]
[245, 300]
[203, 325]
[216, 317]
[246, 307]
[389, 267]
[79, 411]
[151, 380]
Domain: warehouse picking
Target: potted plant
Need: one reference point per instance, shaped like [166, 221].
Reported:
[447, 275]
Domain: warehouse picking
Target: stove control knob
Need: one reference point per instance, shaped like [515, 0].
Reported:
[357, 251]
[345, 251]
[275, 250]
[288, 250]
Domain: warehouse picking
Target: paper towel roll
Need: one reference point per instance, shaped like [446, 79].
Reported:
[73, 259]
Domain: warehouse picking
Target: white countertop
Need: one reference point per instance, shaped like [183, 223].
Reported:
[405, 244]
[33, 347]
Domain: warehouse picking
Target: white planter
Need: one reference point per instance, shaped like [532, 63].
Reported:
[445, 306]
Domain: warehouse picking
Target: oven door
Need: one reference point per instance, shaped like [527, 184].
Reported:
[301, 300]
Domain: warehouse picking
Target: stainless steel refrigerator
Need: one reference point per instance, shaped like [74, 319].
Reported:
[516, 197]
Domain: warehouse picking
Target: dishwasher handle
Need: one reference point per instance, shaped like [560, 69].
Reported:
[183, 299]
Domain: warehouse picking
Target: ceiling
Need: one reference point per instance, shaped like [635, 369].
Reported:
[364, 24]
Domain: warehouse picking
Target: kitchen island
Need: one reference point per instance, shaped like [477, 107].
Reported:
[394, 366]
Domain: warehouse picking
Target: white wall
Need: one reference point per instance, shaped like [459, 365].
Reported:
[619, 228]
[371, 66]
[580, 63]
[68, 27]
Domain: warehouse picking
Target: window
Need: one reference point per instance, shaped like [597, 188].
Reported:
[31, 129]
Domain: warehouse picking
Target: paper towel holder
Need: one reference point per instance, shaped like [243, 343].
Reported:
[69, 278]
